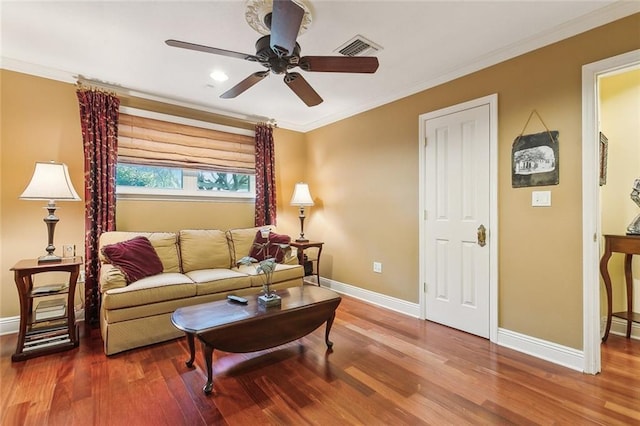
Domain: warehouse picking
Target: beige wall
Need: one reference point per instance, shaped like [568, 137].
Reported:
[620, 122]
[39, 122]
[363, 174]
[365, 171]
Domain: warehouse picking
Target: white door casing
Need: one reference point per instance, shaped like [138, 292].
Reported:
[458, 197]
[591, 227]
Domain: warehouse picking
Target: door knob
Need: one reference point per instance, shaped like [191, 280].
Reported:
[482, 236]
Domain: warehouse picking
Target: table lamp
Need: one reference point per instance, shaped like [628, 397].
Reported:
[302, 198]
[50, 181]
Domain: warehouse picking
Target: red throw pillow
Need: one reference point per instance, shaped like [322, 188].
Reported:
[136, 258]
[272, 246]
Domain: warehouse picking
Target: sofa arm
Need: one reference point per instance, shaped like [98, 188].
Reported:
[111, 277]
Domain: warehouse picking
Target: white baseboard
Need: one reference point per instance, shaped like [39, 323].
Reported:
[549, 351]
[398, 305]
[9, 325]
[552, 352]
[619, 327]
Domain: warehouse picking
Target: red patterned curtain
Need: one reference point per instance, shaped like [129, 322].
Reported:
[265, 176]
[99, 121]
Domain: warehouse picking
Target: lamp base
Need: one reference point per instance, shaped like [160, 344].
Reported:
[49, 258]
[302, 240]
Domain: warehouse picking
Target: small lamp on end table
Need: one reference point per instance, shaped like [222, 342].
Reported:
[50, 181]
[302, 198]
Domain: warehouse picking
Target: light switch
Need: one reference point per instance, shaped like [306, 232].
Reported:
[541, 198]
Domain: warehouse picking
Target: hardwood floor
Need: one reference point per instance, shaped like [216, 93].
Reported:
[386, 369]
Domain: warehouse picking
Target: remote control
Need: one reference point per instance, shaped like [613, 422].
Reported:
[237, 299]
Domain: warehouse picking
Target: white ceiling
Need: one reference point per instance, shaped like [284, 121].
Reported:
[424, 43]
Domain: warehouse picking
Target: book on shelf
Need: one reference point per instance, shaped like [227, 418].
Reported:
[41, 316]
[44, 343]
[50, 309]
[45, 332]
[48, 289]
[50, 305]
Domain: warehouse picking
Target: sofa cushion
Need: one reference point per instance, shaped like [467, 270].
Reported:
[241, 240]
[111, 277]
[270, 247]
[157, 288]
[165, 244]
[136, 258]
[204, 249]
[209, 281]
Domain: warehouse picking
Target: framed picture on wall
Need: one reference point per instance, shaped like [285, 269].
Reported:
[604, 146]
[535, 160]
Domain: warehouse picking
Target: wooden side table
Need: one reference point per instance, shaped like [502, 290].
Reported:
[629, 245]
[304, 245]
[44, 336]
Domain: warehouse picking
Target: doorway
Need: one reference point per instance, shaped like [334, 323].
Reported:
[591, 203]
[458, 207]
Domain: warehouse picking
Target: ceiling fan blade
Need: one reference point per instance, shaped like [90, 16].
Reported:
[301, 87]
[244, 84]
[362, 64]
[207, 49]
[285, 24]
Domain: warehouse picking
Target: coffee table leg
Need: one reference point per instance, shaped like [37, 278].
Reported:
[192, 350]
[207, 350]
[326, 334]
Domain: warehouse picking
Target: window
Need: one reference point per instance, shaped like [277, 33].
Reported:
[182, 158]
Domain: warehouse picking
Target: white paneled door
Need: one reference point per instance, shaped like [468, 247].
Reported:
[457, 209]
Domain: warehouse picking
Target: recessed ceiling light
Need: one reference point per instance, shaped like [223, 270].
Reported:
[219, 76]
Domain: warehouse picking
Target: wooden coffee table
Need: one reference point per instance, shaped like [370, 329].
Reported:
[232, 327]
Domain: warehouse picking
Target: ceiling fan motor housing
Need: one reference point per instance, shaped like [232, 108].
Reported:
[271, 60]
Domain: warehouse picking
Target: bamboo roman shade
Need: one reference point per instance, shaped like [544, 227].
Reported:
[161, 143]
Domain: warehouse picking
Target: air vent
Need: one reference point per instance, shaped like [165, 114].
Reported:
[358, 46]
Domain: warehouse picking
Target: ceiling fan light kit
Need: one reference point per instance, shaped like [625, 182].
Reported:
[279, 52]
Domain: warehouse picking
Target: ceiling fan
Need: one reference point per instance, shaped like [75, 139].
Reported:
[279, 53]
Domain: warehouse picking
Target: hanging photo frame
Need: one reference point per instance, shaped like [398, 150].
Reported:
[535, 158]
[604, 148]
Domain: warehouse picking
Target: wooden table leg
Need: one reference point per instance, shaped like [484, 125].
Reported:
[318, 266]
[607, 284]
[326, 334]
[629, 280]
[192, 350]
[207, 350]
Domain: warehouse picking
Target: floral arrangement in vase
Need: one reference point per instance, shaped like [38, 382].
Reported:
[265, 268]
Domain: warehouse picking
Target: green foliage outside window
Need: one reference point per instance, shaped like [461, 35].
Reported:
[148, 176]
[232, 182]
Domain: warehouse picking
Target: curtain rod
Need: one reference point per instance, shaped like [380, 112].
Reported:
[148, 96]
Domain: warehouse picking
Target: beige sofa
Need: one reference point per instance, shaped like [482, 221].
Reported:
[198, 267]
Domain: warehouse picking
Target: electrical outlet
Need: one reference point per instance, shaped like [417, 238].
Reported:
[81, 277]
[67, 250]
[377, 267]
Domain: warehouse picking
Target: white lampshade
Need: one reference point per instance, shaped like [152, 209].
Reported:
[50, 181]
[301, 195]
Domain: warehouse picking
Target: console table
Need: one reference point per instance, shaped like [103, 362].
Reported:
[44, 336]
[629, 245]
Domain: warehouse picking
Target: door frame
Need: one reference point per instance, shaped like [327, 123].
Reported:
[492, 234]
[591, 226]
